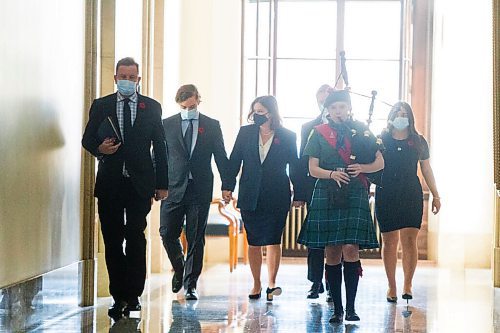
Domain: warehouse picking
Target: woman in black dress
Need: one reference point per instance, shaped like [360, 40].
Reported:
[266, 148]
[399, 199]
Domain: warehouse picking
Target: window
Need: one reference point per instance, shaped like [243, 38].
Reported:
[291, 48]
[128, 27]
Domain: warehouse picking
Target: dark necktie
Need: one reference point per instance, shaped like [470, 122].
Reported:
[127, 119]
[188, 137]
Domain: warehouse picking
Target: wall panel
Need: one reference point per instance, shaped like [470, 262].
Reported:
[41, 94]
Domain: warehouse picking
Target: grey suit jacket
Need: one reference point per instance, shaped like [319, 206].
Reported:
[209, 143]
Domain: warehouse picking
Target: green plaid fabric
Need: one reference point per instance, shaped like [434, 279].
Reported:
[325, 225]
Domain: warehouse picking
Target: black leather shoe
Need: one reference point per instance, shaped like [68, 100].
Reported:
[337, 317]
[350, 315]
[271, 292]
[316, 289]
[191, 294]
[133, 304]
[115, 311]
[177, 281]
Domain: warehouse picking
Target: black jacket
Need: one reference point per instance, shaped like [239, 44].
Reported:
[135, 152]
[266, 185]
[307, 180]
[209, 142]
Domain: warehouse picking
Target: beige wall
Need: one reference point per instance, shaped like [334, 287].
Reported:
[461, 133]
[41, 94]
[203, 47]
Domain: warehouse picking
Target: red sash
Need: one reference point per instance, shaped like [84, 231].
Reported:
[345, 152]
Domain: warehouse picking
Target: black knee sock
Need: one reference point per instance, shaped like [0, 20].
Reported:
[352, 272]
[333, 274]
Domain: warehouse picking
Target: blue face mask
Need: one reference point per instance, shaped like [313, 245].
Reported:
[189, 114]
[400, 123]
[126, 87]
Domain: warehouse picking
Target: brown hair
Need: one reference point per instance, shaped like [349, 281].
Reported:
[128, 61]
[185, 92]
[412, 131]
[271, 105]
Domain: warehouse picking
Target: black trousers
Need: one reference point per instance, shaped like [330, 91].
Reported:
[315, 264]
[123, 217]
[172, 217]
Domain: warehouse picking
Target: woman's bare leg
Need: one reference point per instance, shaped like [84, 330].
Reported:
[255, 260]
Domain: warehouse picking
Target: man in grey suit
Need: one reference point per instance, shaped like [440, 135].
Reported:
[192, 139]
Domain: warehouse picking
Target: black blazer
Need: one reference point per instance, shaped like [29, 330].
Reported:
[307, 180]
[135, 152]
[209, 142]
[266, 185]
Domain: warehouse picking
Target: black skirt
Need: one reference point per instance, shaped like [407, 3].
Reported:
[262, 227]
[396, 209]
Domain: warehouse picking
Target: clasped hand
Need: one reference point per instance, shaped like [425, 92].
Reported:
[108, 146]
[353, 170]
[227, 196]
[161, 194]
[340, 177]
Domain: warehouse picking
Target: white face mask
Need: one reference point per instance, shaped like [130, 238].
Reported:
[126, 87]
[189, 114]
[400, 123]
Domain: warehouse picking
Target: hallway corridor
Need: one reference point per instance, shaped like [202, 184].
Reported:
[444, 301]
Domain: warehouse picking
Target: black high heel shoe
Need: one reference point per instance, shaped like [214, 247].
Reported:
[391, 299]
[407, 297]
[270, 292]
[255, 296]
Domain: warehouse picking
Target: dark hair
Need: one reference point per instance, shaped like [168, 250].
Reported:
[271, 105]
[128, 61]
[185, 92]
[412, 132]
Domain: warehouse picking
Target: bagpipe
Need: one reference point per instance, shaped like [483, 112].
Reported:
[364, 145]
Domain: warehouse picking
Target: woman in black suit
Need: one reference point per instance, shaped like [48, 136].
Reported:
[265, 148]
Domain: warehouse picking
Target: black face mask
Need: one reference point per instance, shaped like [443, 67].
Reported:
[259, 119]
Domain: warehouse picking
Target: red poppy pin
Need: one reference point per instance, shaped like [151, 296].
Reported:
[142, 105]
[201, 130]
[410, 143]
[276, 141]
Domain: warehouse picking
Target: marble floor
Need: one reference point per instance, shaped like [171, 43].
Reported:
[444, 301]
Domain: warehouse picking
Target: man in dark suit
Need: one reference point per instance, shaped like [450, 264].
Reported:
[315, 257]
[192, 139]
[127, 180]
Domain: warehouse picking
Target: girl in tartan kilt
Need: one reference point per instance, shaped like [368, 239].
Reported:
[339, 218]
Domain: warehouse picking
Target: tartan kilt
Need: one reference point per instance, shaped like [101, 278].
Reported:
[325, 225]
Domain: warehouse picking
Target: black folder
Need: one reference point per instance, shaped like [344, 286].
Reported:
[107, 129]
